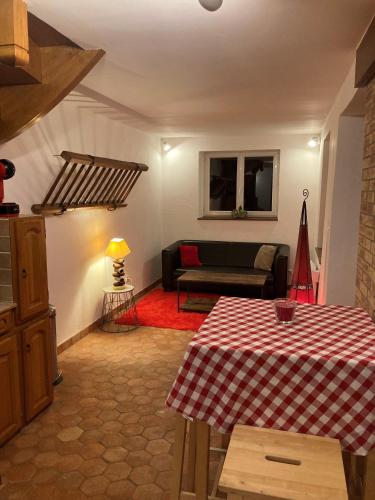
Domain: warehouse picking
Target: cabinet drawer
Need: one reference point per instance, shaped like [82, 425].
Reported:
[6, 321]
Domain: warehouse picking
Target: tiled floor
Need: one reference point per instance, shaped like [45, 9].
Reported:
[107, 435]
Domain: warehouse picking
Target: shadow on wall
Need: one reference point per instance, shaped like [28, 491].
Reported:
[113, 109]
[151, 265]
[76, 241]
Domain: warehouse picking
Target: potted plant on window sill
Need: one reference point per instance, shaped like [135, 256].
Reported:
[239, 213]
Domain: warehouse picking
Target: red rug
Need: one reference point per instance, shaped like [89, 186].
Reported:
[159, 309]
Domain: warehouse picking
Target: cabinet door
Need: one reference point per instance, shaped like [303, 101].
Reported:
[37, 367]
[10, 390]
[31, 267]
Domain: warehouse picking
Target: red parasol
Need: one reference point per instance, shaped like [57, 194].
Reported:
[302, 287]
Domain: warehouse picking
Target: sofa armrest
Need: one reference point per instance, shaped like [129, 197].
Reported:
[169, 261]
[280, 271]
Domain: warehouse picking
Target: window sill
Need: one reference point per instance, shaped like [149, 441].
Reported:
[229, 217]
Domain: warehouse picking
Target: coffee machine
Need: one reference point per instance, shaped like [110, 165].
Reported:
[7, 170]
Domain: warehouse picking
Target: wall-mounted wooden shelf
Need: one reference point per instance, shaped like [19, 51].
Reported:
[86, 181]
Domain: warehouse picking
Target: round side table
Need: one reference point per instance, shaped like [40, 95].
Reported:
[119, 304]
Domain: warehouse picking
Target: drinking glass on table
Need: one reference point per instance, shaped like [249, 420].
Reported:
[284, 310]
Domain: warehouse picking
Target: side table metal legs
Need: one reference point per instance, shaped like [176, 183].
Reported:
[119, 311]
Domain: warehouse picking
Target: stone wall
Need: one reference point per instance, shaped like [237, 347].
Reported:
[365, 296]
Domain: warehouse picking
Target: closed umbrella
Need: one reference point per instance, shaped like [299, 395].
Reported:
[302, 287]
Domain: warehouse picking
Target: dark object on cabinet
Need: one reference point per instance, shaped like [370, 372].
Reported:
[7, 171]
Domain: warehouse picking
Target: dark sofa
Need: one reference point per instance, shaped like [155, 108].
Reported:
[230, 257]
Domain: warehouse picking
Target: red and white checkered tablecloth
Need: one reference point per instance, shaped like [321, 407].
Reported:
[316, 376]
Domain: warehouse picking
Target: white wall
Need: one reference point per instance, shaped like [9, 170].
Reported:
[342, 268]
[76, 241]
[341, 218]
[299, 169]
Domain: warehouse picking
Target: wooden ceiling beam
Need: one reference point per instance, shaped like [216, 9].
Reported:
[14, 39]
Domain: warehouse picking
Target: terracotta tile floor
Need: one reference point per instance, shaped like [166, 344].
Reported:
[107, 434]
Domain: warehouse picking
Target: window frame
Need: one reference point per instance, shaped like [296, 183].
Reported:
[241, 155]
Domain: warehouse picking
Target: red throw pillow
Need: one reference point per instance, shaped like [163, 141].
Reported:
[189, 256]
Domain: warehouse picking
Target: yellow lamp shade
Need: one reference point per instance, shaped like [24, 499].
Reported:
[117, 248]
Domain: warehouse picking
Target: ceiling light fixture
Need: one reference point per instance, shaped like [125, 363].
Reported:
[313, 142]
[211, 5]
[166, 146]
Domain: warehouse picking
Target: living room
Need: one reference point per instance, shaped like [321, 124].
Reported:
[177, 86]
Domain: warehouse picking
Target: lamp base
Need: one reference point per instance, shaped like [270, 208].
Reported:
[118, 274]
[117, 288]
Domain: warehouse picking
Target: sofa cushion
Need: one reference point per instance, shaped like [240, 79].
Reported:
[189, 255]
[264, 258]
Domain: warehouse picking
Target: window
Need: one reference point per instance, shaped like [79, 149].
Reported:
[248, 179]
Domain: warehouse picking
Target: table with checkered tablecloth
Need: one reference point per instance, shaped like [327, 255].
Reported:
[315, 376]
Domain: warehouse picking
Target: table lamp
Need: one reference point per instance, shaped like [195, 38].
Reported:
[118, 249]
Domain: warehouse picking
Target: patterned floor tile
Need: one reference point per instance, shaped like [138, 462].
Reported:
[107, 434]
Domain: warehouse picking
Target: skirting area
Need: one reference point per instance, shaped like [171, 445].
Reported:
[95, 325]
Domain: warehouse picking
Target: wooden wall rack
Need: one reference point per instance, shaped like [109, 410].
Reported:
[86, 181]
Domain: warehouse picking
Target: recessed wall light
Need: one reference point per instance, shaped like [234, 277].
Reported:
[166, 146]
[211, 5]
[313, 142]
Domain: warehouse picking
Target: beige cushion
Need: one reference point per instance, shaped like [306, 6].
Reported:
[264, 258]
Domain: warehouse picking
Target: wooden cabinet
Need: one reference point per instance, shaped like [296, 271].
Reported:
[10, 387]
[6, 321]
[30, 275]
[36, 350]
[25, 336]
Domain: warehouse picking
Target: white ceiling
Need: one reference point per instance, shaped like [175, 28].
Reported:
[273, 64]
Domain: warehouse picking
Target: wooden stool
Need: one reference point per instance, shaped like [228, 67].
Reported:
[269, 464]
